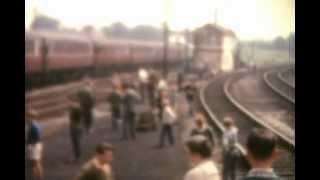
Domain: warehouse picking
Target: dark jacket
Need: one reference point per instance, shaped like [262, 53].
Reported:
[115, 100]
[130, 98]
[207, 132]
[75, 120]
[86, 99]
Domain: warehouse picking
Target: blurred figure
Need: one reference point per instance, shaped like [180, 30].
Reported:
[115, 99]
[190, 91]
[262, 152]
[152, 85]
[160, 98]
[87, 103]
[130, 98]
[143, 77]
[199, 151]
[230, 151]
[180, 80]
[203, 129]
[34, 145]
[99, 167]
[169, 118]
[161, 92]
[76, 128]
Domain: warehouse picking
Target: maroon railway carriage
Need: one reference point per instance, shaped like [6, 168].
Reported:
[73, 52]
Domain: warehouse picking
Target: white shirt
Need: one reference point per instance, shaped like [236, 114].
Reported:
[162, 85]
[169, 116]
[206, 170]
[143, 75]
[228, 135]
[258, 172]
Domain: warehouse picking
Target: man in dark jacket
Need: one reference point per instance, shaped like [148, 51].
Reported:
[191, 92]
[262, 152]
[152, 86]
[130, 98]
[87, 103]
[76, 129]
[115, 99]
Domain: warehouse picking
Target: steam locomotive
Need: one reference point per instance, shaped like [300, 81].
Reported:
[56, 56]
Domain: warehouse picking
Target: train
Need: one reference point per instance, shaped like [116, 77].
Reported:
[53, 57]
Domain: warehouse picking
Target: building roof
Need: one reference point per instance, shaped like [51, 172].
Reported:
[215, 27]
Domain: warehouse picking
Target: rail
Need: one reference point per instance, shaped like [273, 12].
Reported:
[260, 121]
[275, 89]
[213, 117]
[280, 76]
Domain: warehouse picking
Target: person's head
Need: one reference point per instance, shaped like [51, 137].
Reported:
[125, 85]
[262, 147]
[104, 152]
[228, 122]
[198, 148]
[200, 120]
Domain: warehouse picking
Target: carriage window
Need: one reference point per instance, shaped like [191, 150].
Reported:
[71, 47]
[29, 46]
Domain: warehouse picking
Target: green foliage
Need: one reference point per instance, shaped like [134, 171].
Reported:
[43, 22]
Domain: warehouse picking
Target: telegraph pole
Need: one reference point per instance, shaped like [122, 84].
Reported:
[186, 37]
[165, 40]
[165, 49]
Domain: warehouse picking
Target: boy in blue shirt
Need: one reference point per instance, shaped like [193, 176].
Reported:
[34, 145]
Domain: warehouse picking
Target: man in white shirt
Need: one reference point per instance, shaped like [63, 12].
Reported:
[199, 151]
[230, 152]
[168, 119]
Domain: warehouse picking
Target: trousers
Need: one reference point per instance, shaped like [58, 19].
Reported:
[229, 166]
[76, 144]
[166, 130]
[88, 118]
[128, 126]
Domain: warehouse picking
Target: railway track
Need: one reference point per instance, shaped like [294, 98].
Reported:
[217, 106]
[51, 101]
[287, 77]
[272, 80]
[286, 133]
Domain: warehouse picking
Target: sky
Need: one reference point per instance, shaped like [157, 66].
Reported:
[250, 19]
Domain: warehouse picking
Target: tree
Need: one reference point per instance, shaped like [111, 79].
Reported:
[280, 43]
[116, 30]
[45, 22]
[145, 32]
[88, 29]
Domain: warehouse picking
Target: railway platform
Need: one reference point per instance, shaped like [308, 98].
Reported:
[134, 160]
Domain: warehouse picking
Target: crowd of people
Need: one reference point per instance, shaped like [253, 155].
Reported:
[123, 99]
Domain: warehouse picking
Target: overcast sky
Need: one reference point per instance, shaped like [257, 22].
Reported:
[250, 19]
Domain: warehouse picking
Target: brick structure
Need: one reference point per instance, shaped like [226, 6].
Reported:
[214, 48]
